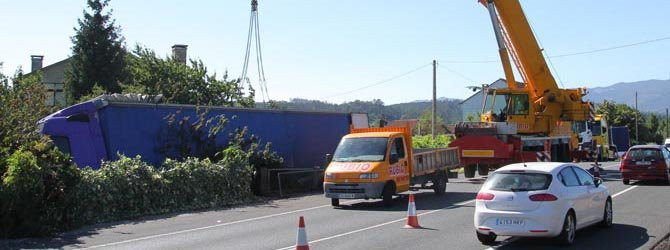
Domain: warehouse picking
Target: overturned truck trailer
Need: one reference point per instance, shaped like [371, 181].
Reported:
[109, 125]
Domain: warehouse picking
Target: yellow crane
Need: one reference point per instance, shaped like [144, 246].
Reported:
[527, 122]
[540, 106]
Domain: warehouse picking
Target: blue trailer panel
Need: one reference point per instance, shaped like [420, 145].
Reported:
[301, 138]
[620, 138]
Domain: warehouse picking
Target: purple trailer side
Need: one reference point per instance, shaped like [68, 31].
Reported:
[101, 129]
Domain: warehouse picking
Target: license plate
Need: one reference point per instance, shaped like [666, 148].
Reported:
[642, 163]
[346, 196]
[510, 222]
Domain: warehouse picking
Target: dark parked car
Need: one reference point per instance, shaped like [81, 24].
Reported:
[646, 162]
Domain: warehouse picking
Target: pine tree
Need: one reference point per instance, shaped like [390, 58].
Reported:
[98, 53]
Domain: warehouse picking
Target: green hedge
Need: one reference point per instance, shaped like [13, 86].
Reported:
[41, 200]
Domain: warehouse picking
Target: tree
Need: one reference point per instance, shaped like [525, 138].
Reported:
[182, 84]
[618, 114]
[98, 53]
[426, 121]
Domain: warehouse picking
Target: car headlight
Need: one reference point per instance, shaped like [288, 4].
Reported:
[369, 176]
[330, 175]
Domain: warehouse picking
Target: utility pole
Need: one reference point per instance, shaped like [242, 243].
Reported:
[667, 126]
[637, 133]
[434, 97]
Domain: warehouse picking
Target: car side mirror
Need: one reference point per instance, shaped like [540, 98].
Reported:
[597, 181]
[393, 159]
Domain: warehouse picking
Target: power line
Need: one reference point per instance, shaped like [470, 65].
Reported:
[568, 54]
[378, 83]
[455, 72]
[613, 48]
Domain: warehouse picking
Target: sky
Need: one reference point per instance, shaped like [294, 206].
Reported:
[345, 50]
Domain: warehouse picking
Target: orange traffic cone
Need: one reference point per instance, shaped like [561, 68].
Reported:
[301, 241]
[412, 220]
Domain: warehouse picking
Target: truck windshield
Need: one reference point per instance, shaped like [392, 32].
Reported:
[501, 104]
[361, 149]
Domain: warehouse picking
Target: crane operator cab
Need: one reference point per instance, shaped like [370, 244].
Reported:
[506, 105]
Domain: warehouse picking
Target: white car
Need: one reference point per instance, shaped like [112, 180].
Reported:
[540, 199]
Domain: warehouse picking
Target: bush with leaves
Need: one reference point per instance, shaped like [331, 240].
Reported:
[187, 136]
[129, 188]
[427, 141]
[180, 83]
[22, 104]
[35, 191]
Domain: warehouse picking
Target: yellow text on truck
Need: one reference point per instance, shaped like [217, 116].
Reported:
[378, 163]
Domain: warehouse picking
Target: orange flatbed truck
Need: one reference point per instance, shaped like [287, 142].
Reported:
[373, 163]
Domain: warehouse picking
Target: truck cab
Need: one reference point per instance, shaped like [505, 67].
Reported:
[368, 165]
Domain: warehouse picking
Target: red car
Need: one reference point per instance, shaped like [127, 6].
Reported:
[645, 162]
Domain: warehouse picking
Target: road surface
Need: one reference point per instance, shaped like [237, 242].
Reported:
[641, 218]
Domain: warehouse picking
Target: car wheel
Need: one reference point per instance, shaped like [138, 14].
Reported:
[626, 181]
[469, 171]
[608, 214]
[567, 236]
[335, 202]
[387, 194]
[486, 239]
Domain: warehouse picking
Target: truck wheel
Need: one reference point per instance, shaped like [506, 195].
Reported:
[387, 194]
[483, 170]
[439, 183]
[469, 171]
[335, 202]
[626, 181]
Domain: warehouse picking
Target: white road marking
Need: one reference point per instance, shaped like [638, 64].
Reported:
[513, 239]
[623, 191]
[212, 226]
[382, 224]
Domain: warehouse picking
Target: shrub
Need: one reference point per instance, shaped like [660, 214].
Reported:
[129, 188]
[22, 190]
[427, 141]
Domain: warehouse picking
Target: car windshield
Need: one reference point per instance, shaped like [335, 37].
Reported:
[361, 149]
[644, 154]
[518, 182]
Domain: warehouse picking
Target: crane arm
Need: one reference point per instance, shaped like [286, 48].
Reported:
[511, 24]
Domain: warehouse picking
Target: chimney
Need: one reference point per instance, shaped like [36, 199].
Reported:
[36, 62]
[179, 52]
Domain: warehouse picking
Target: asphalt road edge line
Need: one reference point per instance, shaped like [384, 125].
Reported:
[382, 224]
[623, 191]
[513, 239]
[211, 226]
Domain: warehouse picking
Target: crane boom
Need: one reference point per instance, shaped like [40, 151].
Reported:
[524, 47]
[540, 106]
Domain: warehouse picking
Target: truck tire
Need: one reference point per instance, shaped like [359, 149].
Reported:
[335, 202]
[483, 170]
[469, 171]
[387, 194]
[439, 182]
